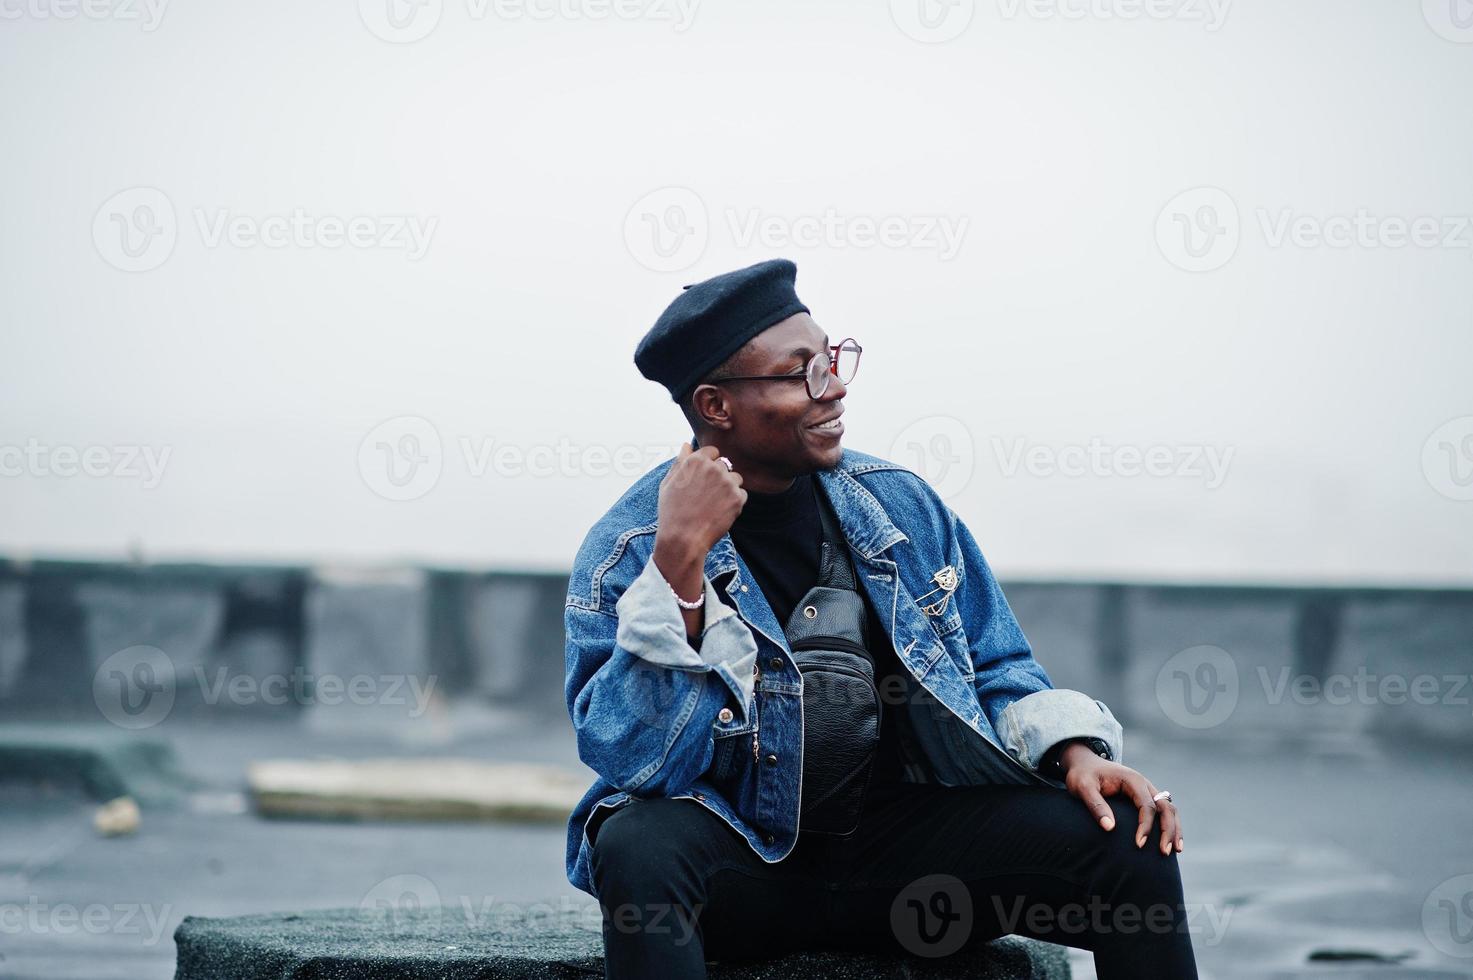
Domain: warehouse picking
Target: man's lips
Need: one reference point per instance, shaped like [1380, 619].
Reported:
[829, 427]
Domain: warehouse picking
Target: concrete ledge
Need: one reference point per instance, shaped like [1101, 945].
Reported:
[413, 789]
[367, 944]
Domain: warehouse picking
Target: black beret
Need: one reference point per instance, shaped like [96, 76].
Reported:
[711, 320]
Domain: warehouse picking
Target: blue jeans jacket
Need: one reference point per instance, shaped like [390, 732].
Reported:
[723, 725]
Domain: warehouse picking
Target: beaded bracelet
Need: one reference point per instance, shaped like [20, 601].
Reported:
[688, 605]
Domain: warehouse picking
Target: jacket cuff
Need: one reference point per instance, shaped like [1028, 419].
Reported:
[1035, 723]
[652, 628]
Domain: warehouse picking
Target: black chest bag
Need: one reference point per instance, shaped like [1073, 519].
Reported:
[827, 633]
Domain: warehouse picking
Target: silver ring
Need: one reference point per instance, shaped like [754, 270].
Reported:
[1163, 795]
[729, 467]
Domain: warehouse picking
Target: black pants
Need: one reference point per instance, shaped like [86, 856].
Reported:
[930, 870]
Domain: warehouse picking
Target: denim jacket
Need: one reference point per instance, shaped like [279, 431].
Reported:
[722, 724]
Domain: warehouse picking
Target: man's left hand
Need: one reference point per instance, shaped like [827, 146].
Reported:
[1092, 778]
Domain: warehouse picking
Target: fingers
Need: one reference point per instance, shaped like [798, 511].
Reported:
[1168, 819]
[1139, 788]
[1140, 791]
[1170, 826]
[1171, 836]
[676, 474]
[680, 474]
[1088, 791]
[684, 470]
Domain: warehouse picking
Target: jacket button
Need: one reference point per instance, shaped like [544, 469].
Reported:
[744, 588]
[767, 838]
[724, 714]
[771, 760]
[776, 663]
[701, 796]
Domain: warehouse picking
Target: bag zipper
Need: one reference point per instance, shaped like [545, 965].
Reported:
[833, 643]
[844, 669]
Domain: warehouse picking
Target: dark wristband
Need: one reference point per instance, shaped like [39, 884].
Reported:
[1053, 767]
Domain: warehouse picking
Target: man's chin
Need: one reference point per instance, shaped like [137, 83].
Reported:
[831, 457]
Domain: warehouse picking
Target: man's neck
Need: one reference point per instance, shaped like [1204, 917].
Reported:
[754, 479]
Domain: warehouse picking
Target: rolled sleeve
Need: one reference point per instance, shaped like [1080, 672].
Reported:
[652, 628]
[1035, 723]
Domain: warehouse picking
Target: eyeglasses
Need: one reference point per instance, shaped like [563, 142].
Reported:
[840, 361]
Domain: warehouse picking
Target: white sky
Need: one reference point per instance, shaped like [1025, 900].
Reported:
[528, 148]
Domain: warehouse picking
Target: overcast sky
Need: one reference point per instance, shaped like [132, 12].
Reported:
[1150, 289]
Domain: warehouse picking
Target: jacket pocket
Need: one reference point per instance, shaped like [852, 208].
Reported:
[947, 633]
[945, 623]
[957, 648]
[727, 758]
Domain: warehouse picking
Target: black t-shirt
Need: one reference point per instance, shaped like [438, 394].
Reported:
[779, 537]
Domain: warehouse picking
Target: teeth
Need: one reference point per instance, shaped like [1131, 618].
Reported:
[831, 424]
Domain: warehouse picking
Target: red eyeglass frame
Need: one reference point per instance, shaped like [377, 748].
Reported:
[833, 352]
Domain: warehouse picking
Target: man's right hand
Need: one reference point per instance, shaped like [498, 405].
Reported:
[699, 501]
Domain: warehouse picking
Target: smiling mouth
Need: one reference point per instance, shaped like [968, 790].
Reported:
[833, 427]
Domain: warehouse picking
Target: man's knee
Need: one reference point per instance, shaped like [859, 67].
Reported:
[643, 845]
[1143, 872]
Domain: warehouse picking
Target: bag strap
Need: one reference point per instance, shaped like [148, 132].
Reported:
[834, 569]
